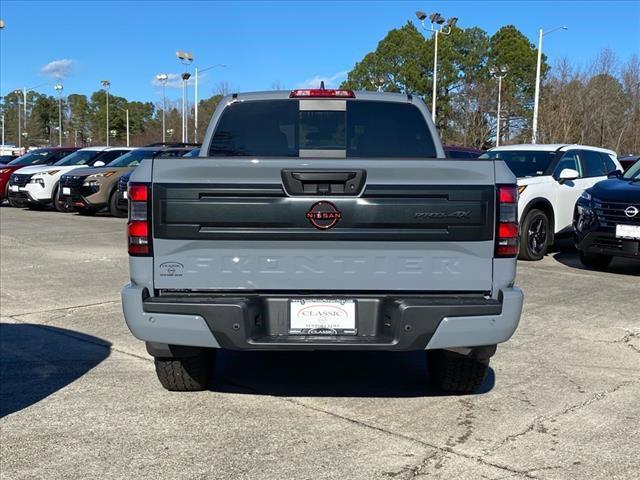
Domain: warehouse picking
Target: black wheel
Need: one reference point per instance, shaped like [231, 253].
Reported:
[113, 206]
[59, 204]
[87, 212]
[455, 373]
[15, 203]
[594, 261]
[534, 238]
[186, 374]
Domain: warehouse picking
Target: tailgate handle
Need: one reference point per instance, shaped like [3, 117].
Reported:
[320, 182]
[323, 177]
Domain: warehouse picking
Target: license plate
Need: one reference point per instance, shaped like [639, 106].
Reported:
[14, 188]
[628, 231]
[66, 190]
[322, 317]
[125, 195]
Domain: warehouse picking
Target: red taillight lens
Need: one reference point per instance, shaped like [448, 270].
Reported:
[138, 193]
[139, 225]
[138, 229]
[322, 93]
[508, 230]
[508, 194]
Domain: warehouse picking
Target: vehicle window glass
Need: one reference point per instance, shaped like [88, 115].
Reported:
[594, 165]
[266, 128]
[60, 155]
[524, 163]
[634, 172]
[610, 165]
[569, 160]
[133, 158]
[193, 153]
[387, 130]
[279, 128]
[79, 157]
[109, 156]
[37, 157]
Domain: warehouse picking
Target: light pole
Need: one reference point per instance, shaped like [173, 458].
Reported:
[536, 100]
[438, 26]
[195, 107]
[106, 84]
[499, 73]
[19, 92]
[162, 78]
[58, 88]
[186, 59]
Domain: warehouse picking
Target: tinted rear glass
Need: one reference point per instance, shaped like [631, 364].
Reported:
[279, 128]
[524, 163]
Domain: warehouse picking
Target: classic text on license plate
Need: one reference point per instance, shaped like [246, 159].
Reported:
[322, 317]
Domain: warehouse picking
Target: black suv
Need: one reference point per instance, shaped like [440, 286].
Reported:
[606, 220]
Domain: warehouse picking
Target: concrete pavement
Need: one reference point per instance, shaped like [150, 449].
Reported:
[79, 397]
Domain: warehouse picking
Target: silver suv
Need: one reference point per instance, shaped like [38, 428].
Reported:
[322, 220]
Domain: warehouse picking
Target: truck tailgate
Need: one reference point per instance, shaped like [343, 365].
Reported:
[239, 224]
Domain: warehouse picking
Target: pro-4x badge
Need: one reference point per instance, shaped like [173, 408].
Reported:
[323, 215]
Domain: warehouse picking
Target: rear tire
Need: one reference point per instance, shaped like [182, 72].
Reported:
[113, 206]
[186, 374]
[594, 261]
[455, 373]
[534, 238]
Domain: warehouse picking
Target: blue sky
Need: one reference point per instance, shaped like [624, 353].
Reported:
[291, 43]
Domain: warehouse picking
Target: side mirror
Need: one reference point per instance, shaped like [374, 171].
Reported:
[568, 174]
[614, 174]
[99, 163]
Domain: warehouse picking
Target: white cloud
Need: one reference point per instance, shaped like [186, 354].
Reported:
[57, 68]
[175, 80]
[329, 82]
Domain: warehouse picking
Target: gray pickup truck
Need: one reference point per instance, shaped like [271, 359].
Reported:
[322, 220]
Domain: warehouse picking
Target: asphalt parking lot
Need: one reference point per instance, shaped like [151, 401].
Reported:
[79, 396]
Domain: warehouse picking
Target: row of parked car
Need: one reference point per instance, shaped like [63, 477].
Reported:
[563, 190]
[86, 180]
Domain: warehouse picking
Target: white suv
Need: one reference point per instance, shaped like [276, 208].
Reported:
[551, 178]
[37, 186]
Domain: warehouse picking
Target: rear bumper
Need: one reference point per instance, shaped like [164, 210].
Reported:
[260, 322]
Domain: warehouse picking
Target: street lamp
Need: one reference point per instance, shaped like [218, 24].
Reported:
[534, 129]
[23, 92]
[18, 93]
[186, 59]
[106, 84]
[498, 73]
[195, 128]
[58, 88]
[162, 78]
[438, 26]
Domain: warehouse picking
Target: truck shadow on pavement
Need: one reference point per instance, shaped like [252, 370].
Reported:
[327, 374]
[38, 360]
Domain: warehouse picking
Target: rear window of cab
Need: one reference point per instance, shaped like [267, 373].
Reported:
[322, 128]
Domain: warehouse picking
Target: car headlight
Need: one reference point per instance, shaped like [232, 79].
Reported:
[53, 172]
[101, 174]
[521, 189]
[37, 179]
[586, 196]
[5, 170]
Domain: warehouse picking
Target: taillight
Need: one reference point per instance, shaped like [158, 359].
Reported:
[139, 225]
[322, 93]
[507, 230]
